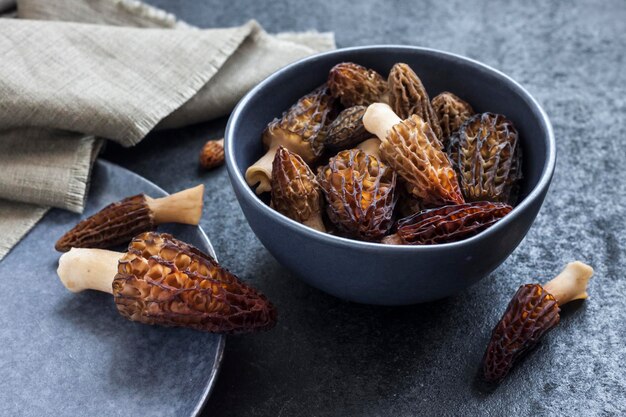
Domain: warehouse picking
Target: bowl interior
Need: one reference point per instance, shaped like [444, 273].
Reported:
[484, 88]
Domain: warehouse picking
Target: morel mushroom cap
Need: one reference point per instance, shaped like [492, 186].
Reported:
[452, 112]
[355, 85]
[360, 191]
[117, 223]
[533, 311]
[300, 129]
[347, 129]
[486, 154]
[295, 191]
[412, 150]
[161, 280]
[212, 155]
[408, 96]
[447, 224]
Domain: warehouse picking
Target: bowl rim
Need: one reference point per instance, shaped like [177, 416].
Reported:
[247, 193]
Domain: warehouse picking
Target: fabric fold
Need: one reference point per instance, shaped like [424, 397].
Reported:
[72, 72]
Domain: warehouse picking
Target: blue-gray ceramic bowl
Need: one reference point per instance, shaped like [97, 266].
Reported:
[391, 274]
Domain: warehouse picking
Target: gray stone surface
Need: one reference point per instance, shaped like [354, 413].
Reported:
[327, 357]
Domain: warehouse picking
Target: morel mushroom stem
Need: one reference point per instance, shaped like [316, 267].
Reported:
[571, 283]
[379, 118]
[316, 222]
[261, 171]
[371, 147]
[88, 269]
[182, 207]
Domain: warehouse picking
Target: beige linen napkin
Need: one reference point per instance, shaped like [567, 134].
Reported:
[75, 71]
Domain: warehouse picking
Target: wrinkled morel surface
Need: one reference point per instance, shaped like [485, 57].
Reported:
[447, 224]
[301, 129]
[408, 96]
[360, 191]
[295, 191]
[118, 222]
[161, 280]
[355, 85]
[212, 154]
[486, 154]
[452, 112]
[411, 148]
[347, 129]
[533, 311]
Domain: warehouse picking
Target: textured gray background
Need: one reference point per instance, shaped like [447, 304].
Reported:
[329, 357]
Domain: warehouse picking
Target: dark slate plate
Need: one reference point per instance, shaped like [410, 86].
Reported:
[66, 354]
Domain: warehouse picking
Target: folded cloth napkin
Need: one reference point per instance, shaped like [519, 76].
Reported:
[73, 72]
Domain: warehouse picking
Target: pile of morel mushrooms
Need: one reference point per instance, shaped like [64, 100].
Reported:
[360, 152]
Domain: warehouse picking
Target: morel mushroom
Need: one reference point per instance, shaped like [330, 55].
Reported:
[300, 129]
[161, 280]
[347, 129]
[452, 112]
[371, 146]
[408, 96]
[118, 222]
[295, 191]
[411, 148]
[360, 191]
[447, 224]
[212, 154]
[533, 311]
[355, 85]
[486, 154]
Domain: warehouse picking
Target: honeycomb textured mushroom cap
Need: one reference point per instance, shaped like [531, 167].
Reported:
[360, 191]
[355, 85]
[347, 129]
[212, 155]
[115, 224]
[295, 191]
[486, 154]
[408, 96]
[161, 280]
[452, 112]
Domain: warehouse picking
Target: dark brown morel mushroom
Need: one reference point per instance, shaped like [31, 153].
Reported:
[452, 112]
[533, 311]
[301, 129]
[161, 280]
[360, 192]
[355, 85]
[411, 148]
[295, 191]
[486, 154]
[119, 222]
[447, 224]
[347, 129]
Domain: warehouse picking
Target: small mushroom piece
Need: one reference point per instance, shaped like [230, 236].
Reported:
[118, 222]
[533, 311]
[412, 150]
[355, 85]
[408, 96]
[447, 224]
[301, 129]
[212, 155]
[360, 191]
[295, 191]
[486, 154]
[452, 112]
[347, 129]
[161, 280]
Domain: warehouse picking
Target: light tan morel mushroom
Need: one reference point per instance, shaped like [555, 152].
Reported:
[360, 191]
[408, 96]
[355, 85]
[533, 311]
[301, 129]
[412, 150]
[161, 280]
[119, 222]
[295, 191]
[452, 112]
[212, 154]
